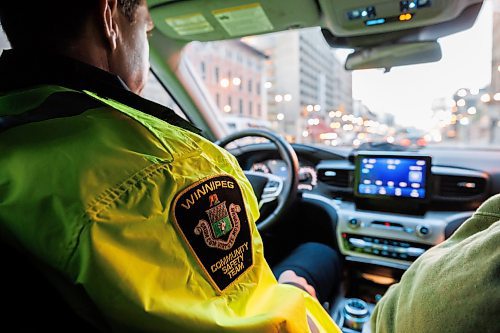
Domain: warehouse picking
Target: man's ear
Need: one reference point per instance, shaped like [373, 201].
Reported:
[107, 10]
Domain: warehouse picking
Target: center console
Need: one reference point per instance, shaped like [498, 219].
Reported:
[388, 223]
[386, 227]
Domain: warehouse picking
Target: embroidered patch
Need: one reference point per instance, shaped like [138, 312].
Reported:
[211, 216]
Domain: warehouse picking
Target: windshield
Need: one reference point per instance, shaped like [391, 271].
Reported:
[292, 82]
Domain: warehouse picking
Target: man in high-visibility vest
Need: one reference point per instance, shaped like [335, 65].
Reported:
[156, 223]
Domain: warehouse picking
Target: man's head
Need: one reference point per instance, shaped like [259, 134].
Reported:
[109, 34]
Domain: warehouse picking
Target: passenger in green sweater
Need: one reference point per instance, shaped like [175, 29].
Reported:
[453, 287]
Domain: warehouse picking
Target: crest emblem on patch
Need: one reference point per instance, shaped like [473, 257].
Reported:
[211, 217]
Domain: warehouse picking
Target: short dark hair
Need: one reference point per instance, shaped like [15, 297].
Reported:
[50, 23]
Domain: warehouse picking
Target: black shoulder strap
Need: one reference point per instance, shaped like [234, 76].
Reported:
[72, 103]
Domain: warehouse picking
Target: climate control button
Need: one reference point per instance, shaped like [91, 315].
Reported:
[423, 231]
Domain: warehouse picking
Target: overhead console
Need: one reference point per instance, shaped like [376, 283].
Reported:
[393, 182]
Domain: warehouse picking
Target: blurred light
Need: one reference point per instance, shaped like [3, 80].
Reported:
[437, 137]
[421, 142]
[375, 22]
[498, 68]
[461, 102]
[278, 98]
[310, 108]
[236, 81]
[288, 97]
[317, 107]
[462, 93]
[224, 83]
[347, 127]
[474, 91]
[364, 13]
[412, 5]
[390, 139]
[227, 108]
[471, 110]
[345, 117]
[359, 121]
[313, 121]
[453, 119]
[405, 142]
[498, 123]
[305, 134]
[405, 17]
[451, 134]
[280, 116]
[496, 97]
[485, 98]
[464, 121]
[331, 114]
[356, 142]
[334, 142]
[335, 125]
[268, 85]
[338, 113]
[361, 136]
[328, 136]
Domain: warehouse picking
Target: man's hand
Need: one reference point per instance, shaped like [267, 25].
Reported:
[290, 277]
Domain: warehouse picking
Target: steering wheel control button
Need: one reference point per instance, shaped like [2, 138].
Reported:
[423, 231]
[354, 223]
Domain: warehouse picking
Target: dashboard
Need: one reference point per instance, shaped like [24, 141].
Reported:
[390, 206]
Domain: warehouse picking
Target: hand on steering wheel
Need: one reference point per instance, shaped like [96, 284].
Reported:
[268, 187]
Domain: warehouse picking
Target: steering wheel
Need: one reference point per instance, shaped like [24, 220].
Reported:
[269, 187]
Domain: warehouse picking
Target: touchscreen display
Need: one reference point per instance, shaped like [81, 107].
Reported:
[392, 176]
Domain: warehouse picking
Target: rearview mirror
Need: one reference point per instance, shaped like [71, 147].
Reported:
[388, 56]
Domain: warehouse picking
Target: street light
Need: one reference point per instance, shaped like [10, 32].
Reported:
[462, 92]
[236, 81]
[485, 98]
[471, 110]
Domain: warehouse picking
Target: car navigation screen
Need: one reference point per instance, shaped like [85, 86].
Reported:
[392, 176]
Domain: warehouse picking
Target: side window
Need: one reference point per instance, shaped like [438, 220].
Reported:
[4, 43]
[155, 92]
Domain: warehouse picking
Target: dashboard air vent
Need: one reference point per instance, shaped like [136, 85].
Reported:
[459, 186]
[335, 177]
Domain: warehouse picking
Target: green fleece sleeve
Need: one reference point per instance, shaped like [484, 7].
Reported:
[453, 287]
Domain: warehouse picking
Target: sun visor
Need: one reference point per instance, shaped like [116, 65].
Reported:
[207, 20]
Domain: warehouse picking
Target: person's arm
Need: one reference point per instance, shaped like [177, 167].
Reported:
[452, 287]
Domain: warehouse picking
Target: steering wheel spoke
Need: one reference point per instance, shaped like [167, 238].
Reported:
[268, 187]
[272, 190]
